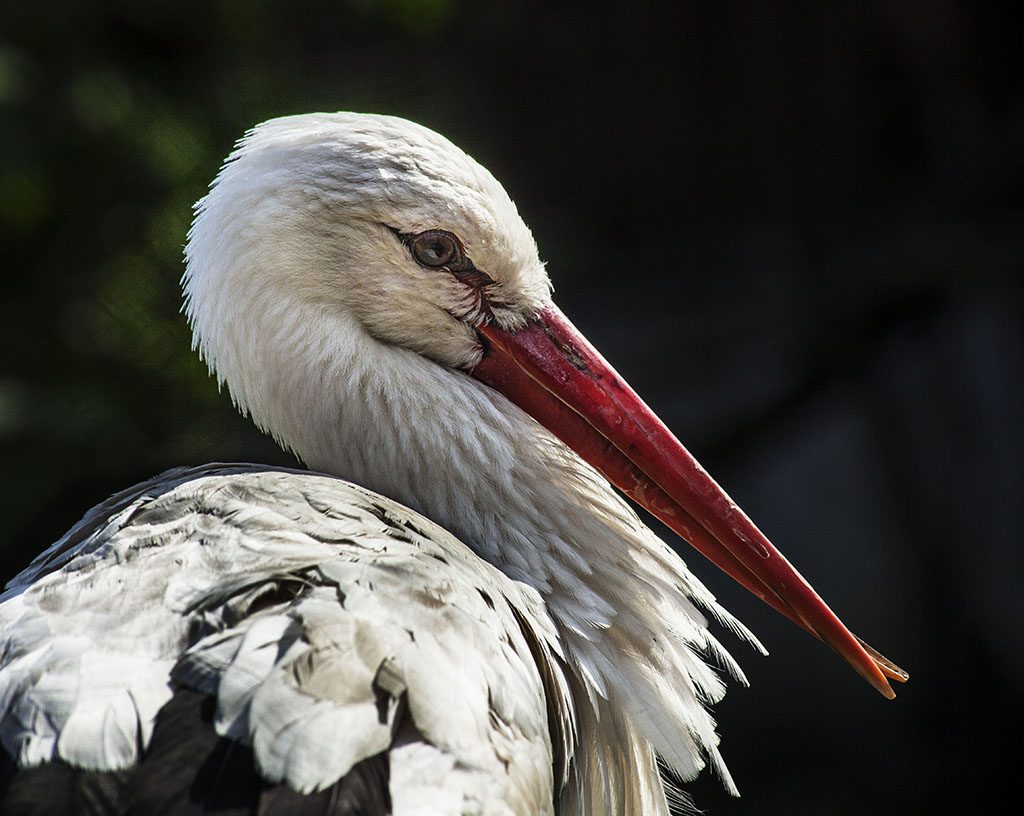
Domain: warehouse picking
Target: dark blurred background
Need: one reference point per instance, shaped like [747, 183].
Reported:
[797, 228]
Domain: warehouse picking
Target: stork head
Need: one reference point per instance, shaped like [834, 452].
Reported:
[371, 215]
[386, 229]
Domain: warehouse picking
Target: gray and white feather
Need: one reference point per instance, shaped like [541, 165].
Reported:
[502, 627]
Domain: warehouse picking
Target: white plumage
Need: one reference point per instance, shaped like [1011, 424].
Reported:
[311, 609]
[532, 649]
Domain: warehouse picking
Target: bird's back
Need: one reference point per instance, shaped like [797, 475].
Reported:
[251, 640]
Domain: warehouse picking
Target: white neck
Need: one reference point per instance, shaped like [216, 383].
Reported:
[627, 608]
[288, 294]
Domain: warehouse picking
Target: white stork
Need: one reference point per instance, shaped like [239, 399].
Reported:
[474, 622]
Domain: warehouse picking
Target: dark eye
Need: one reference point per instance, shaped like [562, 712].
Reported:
[436, 248]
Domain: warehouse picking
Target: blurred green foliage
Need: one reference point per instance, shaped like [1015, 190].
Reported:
[113, 119]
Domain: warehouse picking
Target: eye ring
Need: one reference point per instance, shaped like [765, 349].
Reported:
[436, 249]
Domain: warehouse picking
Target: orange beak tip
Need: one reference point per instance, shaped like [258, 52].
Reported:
[887, 692]
[889, 669]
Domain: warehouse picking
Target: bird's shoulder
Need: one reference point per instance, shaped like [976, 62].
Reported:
[286, 608]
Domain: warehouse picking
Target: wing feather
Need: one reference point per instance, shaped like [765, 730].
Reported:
[329, 625]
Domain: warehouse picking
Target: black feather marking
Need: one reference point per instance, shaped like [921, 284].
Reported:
[57, 789]
[187, 771]
[363, 791]
[396, 529]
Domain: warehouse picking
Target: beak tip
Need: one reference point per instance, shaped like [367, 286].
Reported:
[887, 692]
[882, 671]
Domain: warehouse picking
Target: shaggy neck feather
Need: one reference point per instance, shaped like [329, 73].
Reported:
[627, 609]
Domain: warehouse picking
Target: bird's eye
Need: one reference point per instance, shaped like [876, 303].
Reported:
[436, 248]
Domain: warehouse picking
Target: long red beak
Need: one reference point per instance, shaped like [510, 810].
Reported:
[553, 373]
